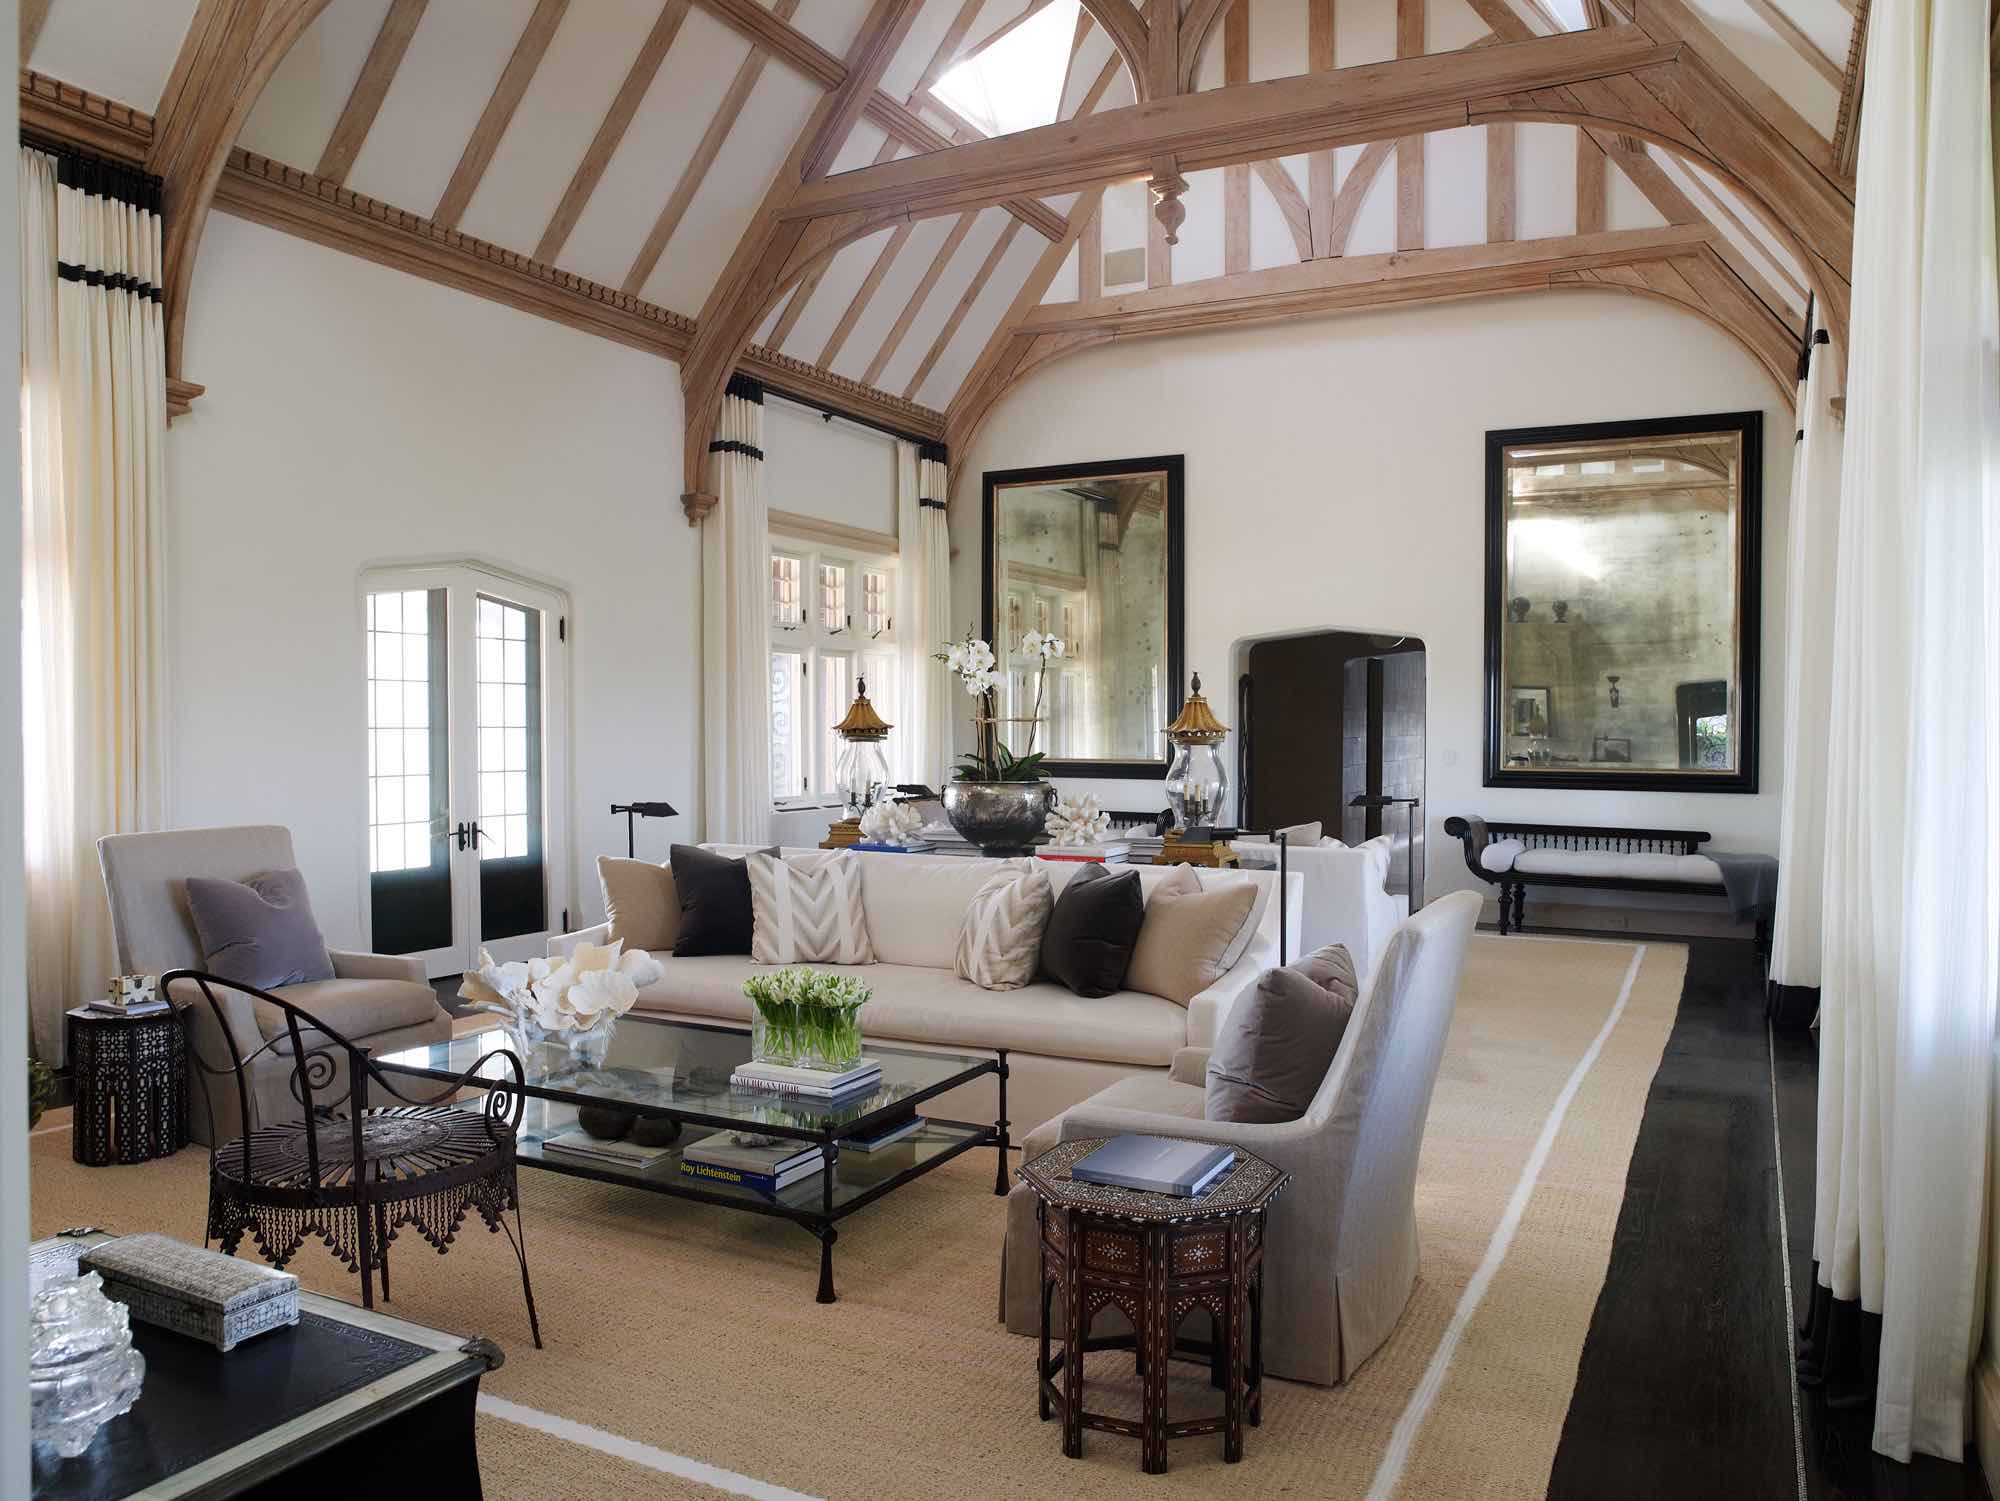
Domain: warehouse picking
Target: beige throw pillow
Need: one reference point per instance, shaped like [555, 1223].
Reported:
[640, 902]
[1000, 940]
[1187, 936]
[806, 909]
[1274, 1047]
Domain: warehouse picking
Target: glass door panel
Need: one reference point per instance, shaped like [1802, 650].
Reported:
[409, 852]
[508, 662]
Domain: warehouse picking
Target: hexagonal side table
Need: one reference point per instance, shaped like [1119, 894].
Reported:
[131, 1079]
[1156, 1258]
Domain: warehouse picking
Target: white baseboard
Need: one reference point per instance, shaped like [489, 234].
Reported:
[1595, 917]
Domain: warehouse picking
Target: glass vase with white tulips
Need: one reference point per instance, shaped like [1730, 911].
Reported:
[998, 799]
[575, 999]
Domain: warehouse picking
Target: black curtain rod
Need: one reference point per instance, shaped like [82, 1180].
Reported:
[821, 407]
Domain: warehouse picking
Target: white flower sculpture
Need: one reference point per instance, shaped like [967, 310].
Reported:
[891, 823]
[593, 984]
[1078, 821]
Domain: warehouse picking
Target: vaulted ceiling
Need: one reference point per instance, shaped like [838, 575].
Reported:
[808, 178]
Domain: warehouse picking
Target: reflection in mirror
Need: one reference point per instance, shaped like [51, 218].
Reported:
[1087, 554]
[1626, 604]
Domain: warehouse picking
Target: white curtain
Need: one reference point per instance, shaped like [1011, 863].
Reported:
[923, 619]
[1911, 944]
[736, 626]
[94, 417]
[1809, 575]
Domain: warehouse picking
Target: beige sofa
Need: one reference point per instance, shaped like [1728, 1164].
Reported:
[1061, 1048]
[376, 1001]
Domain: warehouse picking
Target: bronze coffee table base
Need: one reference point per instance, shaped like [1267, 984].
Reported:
[1156, 1259]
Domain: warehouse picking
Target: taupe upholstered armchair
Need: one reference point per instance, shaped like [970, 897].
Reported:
[379, 1001]
[1342, 1255]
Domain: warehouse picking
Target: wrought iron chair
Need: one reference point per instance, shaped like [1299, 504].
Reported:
[354, 1179]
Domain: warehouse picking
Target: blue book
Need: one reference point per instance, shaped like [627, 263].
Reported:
[1155, 1164]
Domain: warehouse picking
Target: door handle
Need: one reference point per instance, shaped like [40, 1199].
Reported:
[468, 835]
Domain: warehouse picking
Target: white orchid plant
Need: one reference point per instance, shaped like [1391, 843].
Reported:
[1078, 821]
[592, 985]
[973, 662]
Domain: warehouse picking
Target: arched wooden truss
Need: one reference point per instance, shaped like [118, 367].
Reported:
[1652, 75]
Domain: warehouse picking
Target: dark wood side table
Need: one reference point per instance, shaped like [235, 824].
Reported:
[130, 1074]
[1156, 1258]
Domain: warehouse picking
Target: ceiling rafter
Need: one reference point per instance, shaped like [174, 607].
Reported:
[611, 131]
[864, 294]
[33, 14]
[960, 228]
[1001, 244]
[499, 111]
[364, 102]
[803, 292]
[1794, 36]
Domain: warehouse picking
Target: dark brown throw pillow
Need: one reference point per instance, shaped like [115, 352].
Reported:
[716, 916]
[1090, 936]
[1274, 1047]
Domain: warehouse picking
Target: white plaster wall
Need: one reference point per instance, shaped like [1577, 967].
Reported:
[355, 416]
[837, 471]
[1335, 479]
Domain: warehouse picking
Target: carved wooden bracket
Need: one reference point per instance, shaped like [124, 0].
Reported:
[180, 396]
[697, 504]
[1167, 186]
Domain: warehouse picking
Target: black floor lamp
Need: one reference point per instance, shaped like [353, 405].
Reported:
[633, 811]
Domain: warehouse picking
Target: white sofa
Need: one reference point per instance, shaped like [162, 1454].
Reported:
[1345, 898]
[1061, 1048]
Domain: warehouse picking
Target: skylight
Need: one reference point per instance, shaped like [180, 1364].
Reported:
[1016, 83]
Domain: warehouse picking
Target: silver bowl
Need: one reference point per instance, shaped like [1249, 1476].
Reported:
[1002, 818]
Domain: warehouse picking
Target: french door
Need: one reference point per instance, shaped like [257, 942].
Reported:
[468, 838]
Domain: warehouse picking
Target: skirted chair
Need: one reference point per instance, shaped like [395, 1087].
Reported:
[382, 1003]
[1341, 1259]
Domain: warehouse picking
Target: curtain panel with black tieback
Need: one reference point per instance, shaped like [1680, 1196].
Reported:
[736, 625]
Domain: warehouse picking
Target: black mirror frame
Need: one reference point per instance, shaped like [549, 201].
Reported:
[1175, 467]
[1749, 428]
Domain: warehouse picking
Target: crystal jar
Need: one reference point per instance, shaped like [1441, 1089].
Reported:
[821, 1037]
[82, 1369]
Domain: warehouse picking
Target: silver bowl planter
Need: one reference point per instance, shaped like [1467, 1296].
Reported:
[1002, 818]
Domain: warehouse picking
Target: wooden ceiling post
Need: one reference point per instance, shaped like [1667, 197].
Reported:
[1236, 179]
[1410, 149]
[1500, 182]
[1319, 165]
[1589, 185]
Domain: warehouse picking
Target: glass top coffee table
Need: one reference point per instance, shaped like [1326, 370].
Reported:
[680, 1071]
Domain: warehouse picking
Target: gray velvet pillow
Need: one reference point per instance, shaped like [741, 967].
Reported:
[258, 932]
[1274, 1047]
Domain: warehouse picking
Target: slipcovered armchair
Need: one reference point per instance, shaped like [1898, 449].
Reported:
[1341, 1259]
[381, 1002]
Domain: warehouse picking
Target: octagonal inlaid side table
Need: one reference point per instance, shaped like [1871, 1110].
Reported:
[131, 1080]
[1156, 1258]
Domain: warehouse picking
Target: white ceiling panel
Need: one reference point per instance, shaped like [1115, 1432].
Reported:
[1271, 242]
[1775, 60]
[891, 296]
[1199, 254]
[648, 164]
[833, 23]
[1625, 207]
[1067, 284]
[944, 297]
[1544, 180]
[587, 59]
[1739, 226]
[863, 144]
[844, 275]
[1374, 228]
[1455, 186]
[454, 60]
[1364, 31]
[907, 67]
[122, 49]
[294, 116]
[987, 310]
[771, 121]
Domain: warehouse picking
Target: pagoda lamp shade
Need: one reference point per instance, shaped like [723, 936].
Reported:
[1196, 780]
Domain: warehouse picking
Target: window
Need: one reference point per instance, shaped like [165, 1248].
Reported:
[818, 658]
[403, 627]
[1016, 83]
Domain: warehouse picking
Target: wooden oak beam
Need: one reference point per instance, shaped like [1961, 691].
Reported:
[364, 102]
[1590, 186]
[863, 295]
[1500, 182]
[611, 130]
[1410, 149]
[894, 339]
[1794, 36]
[963, 306]
[33, 14]
[1194, 31]
[1320, 194]
[499, 111]
[1235, 178]
[1291, 203]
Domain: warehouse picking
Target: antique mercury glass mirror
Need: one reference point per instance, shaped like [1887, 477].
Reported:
[1622, 604]
[1091, 554]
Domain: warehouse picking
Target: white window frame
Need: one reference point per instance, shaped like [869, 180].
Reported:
[814, 642]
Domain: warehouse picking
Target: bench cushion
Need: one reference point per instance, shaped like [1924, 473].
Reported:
[1695, 870]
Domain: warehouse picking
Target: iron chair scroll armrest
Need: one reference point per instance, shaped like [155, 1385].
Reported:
[505, 1099]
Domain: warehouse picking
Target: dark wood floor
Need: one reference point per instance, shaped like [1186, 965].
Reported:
[1684, 1386]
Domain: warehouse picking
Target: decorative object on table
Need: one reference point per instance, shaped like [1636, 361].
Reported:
[1159, 1256]
[613, 1152]
[130, 1077]
[895, 824]
[82, 1369]
[430, 1161]
[881, 1138]
[123, 992]
[575, 999]
[635, 811]
[200, 1293]
[1077, 823]
[806, 1019]
[655, 1131]
[806, 908]
[811, 1085]
[860, 771]
[1196, 786]
[1091, 933]
[996, 799]
[1000, 936]
[41, 1090]
[1155, 1164]
[748, 1160]
[601, 1123]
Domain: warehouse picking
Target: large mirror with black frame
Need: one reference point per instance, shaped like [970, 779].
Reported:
[1622, 604]
[1092, 554]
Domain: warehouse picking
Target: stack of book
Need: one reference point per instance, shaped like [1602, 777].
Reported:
[914, 847]
[580, 1146]
[766, 1166]
[106, 1006]
[810, 1083]
[881, 1137]
[1110, 852]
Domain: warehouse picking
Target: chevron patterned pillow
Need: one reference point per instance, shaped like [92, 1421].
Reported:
[1000, 941]
[807, 909]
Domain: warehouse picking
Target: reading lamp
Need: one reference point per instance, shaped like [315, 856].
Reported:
[634, 811]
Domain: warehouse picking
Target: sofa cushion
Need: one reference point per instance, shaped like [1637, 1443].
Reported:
[915, 905]
[1000, 941]
[641, 902]
[258, 931]
[1696, 870]
[913, 1004]
[356, 1009]
[715, 902]
[1186, 933]
[1091, 933]
[806, 909]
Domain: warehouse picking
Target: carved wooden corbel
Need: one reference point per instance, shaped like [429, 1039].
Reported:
[697, 504]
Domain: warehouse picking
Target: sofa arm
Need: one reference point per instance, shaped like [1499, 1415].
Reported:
[1190, 1066]
[562, 945]
[1207, 1008]
[1274, 1143]
[348, 966]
